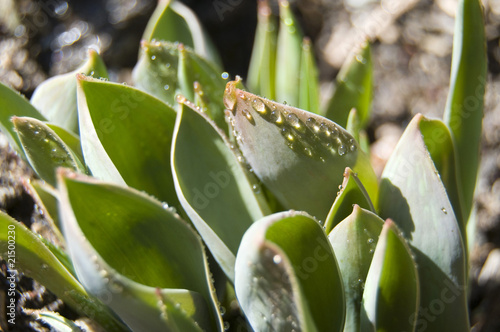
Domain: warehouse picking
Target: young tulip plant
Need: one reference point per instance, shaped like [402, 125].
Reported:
[189, 203]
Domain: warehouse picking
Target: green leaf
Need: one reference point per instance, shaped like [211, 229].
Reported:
[308, 84]
[126, 136]
[287, 277]
[70, 139]
[55, 98]
[208, 176]
[56, 322]
[12, 103]
[391, 296]
[169, 69]
[354, 89]
[438, 141]
[464, 108]
[262, 69]
[413, 195]
[299, 156]
[146, 263]
[174, 22]
[353, 125]
[353, 241]
[44, 150]
[45, 197]
[288, 53]
[351, 192]
[34, 259]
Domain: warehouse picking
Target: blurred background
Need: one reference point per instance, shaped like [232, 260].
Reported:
[412, 46]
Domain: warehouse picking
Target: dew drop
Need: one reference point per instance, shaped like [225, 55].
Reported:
[224, 75]
[312, 124]
[242, 96]
[274, 116]
[372, 251]
[288, 134]
[360, 59]
[36, 132]
[370, 241]
[222, 310]
[153, 57]
[342, 150]
[259, 106]
[167, 65]
[444, 210]
[226, 326]
[288, 21]
[352, 147]
[256, 188]
[293, 119]
[308, 152]
[92, 73]
[334, 132]
[166, 87]
[248, 115]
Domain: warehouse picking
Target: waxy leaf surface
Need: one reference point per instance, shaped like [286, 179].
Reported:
[138, 256]
[300, 156]
[287, 277]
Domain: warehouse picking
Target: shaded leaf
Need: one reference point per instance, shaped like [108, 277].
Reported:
[287, 277]
[299, 156]
[44, 150]
[354, 241]
[55, 98]
[34, 259]
[354, 89]
[351, 192]
[464, 108]
[391, 297]
[175, 22]
[71, 140]
[126, 136]
[12, 103]
[439, 143]
[134, 254]
[208, 175]
[412, 194]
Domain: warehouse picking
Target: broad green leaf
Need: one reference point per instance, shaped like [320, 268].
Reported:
[413, 195]
[70, 139]
[138, 257]
[44, 150]
[156, 70]
[212, 186]
[351, 192]
[262, 69]
[464, 108]
[126, 136]
[174, 22]
[309, 80]
[288, 52]
[353, 241]
[34, 259]
[12, 103]
[287, 277]
[299, 156]
[354, 89]
[168, 69]
[438, 141]
[391, 296]
[55, 98]
[192, 69]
